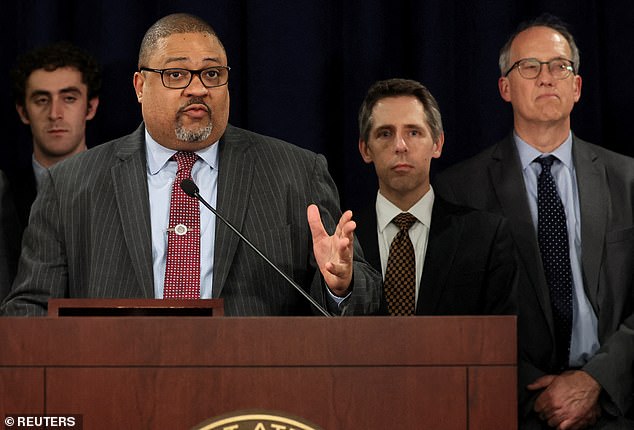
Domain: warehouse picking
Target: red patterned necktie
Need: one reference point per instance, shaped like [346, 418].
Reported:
[400, 273]
[182, 271]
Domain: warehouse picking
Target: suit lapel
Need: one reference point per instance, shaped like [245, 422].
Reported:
[235, 176]
[131, 193]
[508, 182]
[442, 244]
[593, 203]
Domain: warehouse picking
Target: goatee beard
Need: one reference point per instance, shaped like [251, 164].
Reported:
[193, 136]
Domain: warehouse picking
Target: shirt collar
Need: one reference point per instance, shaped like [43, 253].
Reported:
[38, 171]
[528, 153]
[386, 210]
[158, 155]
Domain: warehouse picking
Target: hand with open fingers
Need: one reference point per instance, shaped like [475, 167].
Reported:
[333, 253]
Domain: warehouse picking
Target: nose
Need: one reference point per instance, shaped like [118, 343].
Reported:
[400, 145]
[545, 77]
[196, 86]
[56, 109]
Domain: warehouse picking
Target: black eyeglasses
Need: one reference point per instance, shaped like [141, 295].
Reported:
[529, 68]
[210, 77]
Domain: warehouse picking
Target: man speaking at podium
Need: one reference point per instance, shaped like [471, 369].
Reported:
[113, 222]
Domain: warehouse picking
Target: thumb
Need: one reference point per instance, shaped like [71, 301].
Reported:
[541, 382]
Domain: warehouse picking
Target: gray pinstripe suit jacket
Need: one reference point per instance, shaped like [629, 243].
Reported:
[89, 234]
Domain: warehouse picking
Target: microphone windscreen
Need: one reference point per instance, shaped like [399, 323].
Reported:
[188, 186]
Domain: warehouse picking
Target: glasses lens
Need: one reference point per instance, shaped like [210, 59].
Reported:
[181, 78]
[176, 78]
[214, 76]
[529, 68]
[560, 68]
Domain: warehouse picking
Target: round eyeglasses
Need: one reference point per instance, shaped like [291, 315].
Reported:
[529, 68]
[175, 78]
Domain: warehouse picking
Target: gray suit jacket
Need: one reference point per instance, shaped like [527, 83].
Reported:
[493, 181]
[89, 234]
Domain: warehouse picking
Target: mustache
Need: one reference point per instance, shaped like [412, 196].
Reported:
[195, 101]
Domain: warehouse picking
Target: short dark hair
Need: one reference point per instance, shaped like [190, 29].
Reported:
[52, 57]
[175, 23]
[394, 88]
[544, 20]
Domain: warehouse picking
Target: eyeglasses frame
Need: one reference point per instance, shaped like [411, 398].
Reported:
[570, 68]
[192, 73]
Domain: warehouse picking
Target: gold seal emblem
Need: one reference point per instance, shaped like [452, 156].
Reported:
[256, 420]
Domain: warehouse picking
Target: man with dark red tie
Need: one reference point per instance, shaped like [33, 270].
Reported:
[104, 224]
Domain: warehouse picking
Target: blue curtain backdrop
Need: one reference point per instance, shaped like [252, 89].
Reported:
[300, 68]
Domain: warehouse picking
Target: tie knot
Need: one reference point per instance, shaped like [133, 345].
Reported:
[404, 220]
[185, 160]
[546, 162]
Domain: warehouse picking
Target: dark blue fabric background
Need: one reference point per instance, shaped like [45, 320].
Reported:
[300, 68]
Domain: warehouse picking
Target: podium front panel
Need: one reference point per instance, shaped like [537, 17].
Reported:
[339, 373]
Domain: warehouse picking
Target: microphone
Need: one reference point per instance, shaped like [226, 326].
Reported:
[191, 189]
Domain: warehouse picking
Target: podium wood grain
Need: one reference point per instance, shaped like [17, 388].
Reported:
[340, 373]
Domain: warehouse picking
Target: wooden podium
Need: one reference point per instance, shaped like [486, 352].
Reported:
[348, 373]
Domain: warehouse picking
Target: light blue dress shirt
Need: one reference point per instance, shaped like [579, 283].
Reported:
[585, 341]
[161, 172]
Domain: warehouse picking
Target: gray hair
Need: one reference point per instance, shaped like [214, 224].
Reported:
[544, 20]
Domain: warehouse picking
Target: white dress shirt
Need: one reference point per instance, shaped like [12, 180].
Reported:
[418, 233]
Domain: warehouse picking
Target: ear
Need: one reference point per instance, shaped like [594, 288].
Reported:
[138, 80]
[365, 152]
[24, 115]
[92, 108]
[577, 87]
[505, 88]
[438, 146]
